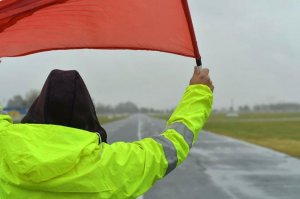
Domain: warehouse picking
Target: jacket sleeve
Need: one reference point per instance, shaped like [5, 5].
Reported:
[5, 120]
[138, 165]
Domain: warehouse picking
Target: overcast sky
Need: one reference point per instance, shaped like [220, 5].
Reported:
[251, 47]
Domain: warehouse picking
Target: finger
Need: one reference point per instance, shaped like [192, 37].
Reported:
[204, 71]
[196, 70]
[206, 79]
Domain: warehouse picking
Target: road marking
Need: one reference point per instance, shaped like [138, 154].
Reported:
[139, 135]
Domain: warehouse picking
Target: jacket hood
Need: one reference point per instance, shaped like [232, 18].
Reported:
[65, 101]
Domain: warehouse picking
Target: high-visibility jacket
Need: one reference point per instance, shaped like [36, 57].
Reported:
[56, 162]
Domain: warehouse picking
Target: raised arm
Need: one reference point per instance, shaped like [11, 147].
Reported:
[140, 164]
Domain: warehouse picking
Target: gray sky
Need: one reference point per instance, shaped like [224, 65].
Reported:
[251, 47]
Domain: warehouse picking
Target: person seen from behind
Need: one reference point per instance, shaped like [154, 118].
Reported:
[60, 151]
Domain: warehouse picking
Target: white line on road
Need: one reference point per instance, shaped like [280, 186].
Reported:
[139, 135]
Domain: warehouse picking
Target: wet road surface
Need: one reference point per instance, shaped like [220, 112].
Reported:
[217, 167]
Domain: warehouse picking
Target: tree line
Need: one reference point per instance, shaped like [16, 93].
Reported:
[276, 107]
[18, 102]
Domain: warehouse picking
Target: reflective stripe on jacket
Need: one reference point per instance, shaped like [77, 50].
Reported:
[48, 161]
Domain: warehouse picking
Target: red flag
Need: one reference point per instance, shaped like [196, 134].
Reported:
[30, 26]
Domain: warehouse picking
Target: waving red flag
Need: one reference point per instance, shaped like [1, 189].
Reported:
[30, 26]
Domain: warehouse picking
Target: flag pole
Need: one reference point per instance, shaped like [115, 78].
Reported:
[192, 32]
[199, 63]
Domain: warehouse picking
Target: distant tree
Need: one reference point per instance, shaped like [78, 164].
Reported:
[127, 107]
[244, 108]
[19, 102]
[279, 107]
[30, 97]
[16, 102]
[101, 108]
[144, 110]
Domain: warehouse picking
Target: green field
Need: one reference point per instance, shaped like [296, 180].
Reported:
[278, 131]
[107, 119]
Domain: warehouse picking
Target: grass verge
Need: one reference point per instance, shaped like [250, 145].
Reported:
[278, 131]
[111, 118]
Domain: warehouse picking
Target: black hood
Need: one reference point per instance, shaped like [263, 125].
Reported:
[65, 100]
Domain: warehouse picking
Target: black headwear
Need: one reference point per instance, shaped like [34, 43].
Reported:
[65, 100]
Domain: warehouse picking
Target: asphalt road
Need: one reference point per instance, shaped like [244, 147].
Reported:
[217, 167]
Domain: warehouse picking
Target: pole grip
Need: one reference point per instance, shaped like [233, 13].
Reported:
[199, 63]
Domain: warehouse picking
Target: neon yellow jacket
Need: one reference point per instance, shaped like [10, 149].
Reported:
[69, 163]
